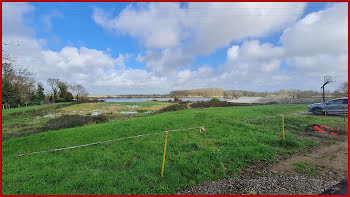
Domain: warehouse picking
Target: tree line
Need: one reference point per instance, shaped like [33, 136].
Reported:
[19, 87]
[295, 93]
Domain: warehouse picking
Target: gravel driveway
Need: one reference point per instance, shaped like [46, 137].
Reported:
[280, 177]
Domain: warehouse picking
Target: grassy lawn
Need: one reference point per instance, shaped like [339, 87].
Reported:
[133, 166]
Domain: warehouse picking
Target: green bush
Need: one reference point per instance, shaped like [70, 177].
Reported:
[175, 107]
[177, 100]
[215, 100]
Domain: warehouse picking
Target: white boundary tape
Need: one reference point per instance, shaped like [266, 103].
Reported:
[78, 146]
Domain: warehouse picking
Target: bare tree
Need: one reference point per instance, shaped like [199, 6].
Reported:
[54, 84]
[79, 92]
[343, 88]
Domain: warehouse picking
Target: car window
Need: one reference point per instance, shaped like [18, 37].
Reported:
[345, 101]
[339, 101]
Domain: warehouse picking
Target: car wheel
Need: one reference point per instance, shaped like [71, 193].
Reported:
[317, 111]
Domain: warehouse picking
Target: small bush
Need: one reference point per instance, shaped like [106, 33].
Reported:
[69, 121]
[175, 107]
[215, 100]
[177, 100]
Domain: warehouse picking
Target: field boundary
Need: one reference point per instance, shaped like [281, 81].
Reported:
[95, 143]
[202, 129]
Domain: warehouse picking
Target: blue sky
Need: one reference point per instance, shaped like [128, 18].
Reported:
[76, 26]
[159, 47]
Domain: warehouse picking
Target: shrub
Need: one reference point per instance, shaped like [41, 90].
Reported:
[177, 100]
[206, 104]
[215, 100]
[175, 107]
[69, 121]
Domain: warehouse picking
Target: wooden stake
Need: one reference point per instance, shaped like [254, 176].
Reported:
[166, 138]
[284, 138]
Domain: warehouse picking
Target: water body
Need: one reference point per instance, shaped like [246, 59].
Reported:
[158, 99]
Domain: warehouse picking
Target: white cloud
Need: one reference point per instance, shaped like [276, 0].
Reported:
[94, 69]
[317, 45]
[47, 19]
[253, 50]
[156, 27]
[212, 25]
[252, 56]
[12, 19]
[204, 76]
[334, 65]
[314, 47]
[322, 32]
[166, 62]
[120, 61]
[225, 22]
[232, 53]
[183, 76]
[198, 29]
[83, 58]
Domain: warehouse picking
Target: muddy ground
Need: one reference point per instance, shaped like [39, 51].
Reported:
[325, 173]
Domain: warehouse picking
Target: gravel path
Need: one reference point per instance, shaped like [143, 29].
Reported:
[280, 178]
[269, 183]
[281, 100]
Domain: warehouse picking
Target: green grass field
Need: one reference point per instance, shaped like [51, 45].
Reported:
[133, 166]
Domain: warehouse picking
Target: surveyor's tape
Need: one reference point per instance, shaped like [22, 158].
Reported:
[95, 143]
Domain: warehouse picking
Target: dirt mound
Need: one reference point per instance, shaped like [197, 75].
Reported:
[175, 107]
[69, 121]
